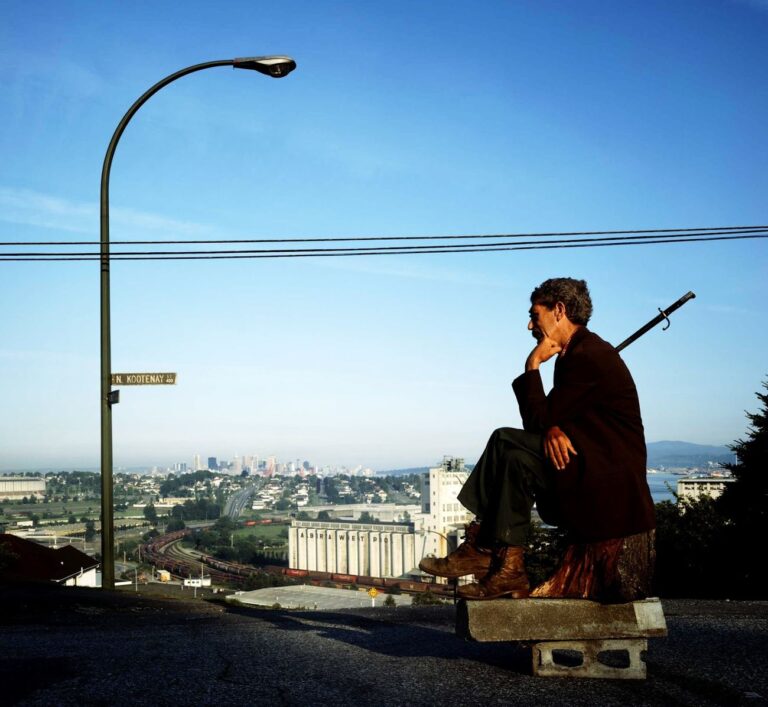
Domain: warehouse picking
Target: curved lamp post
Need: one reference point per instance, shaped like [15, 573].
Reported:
[274, 66]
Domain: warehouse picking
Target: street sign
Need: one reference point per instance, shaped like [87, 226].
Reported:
[373, 592]
[143, 379]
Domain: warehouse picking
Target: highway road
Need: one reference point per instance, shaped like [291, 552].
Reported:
[237, 502]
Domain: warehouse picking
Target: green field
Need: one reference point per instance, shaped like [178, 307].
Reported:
[269, 534]
[53, 506]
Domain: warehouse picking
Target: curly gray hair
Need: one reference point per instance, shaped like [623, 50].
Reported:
[574, 294]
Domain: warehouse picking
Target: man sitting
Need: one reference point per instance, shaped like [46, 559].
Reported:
[581, 456]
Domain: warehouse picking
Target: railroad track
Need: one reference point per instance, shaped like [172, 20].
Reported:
[164, 552]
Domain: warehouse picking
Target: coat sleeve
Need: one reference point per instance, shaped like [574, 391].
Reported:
[577, 384]
[531, 400]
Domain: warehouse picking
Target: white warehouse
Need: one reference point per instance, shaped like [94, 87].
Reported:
[386, 549]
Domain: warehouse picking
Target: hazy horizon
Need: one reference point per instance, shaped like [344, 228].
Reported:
[721, 449]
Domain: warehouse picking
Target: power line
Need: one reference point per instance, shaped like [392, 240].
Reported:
[404, 249]
[401, 250]
[724, 229]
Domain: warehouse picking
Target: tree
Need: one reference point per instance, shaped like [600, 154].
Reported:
[175, 524]
[744, 505]
[150, 513]
[225, 524]
[149, 535]
[129, 547]
[366, 517]
[544, 551]
[90, 530]
[201, 510]
[689, 535]
[709, 548]
[323, 515]
[426, 598]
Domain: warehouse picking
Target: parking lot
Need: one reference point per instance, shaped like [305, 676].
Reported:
[316, 598]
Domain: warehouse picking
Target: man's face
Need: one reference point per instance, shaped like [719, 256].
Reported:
[542, 321]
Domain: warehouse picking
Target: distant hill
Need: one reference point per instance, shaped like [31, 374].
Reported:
[403, 472]
[666, 453]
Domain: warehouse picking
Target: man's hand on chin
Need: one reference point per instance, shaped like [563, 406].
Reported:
[545, 349]
[558, 447]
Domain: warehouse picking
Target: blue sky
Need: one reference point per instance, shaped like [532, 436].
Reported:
[401, 119]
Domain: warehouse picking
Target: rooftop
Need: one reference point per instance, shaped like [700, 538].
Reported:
[30, 561]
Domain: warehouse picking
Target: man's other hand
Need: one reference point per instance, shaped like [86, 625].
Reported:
[557, 447]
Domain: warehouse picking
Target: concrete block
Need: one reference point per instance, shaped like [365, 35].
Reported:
[558, 620]
[592, 662]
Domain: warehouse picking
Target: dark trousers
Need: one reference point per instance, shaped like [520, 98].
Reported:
[509, 477]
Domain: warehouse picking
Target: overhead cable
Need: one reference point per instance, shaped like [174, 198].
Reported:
[385, 250]
[722, 229]
[245, 254]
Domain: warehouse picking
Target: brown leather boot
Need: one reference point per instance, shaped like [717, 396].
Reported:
[506, 578]
[467, 558]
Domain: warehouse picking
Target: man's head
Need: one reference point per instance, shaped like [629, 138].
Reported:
[574, 295]
[558, 307]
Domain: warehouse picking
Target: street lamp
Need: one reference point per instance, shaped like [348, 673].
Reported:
[274, 66]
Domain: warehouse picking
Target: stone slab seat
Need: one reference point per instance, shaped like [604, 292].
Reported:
[591, 630]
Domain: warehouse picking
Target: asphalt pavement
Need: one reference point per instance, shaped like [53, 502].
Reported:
[91, 647]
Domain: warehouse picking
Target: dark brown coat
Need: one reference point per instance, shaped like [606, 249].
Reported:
[603, 492]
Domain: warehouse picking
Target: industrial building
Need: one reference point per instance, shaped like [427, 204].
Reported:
[386, 549]
[18, 487]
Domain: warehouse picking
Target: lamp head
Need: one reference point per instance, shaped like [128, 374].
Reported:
[274, 66]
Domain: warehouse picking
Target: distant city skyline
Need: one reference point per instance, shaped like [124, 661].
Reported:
[664, 452]
[401, 119]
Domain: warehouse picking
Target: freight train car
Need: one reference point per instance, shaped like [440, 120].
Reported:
[395, 583]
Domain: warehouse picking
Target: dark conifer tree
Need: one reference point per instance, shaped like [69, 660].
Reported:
[744, 505]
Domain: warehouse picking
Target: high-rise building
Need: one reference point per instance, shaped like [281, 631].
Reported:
[213, 465]
[443, 515]
[197, 463]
